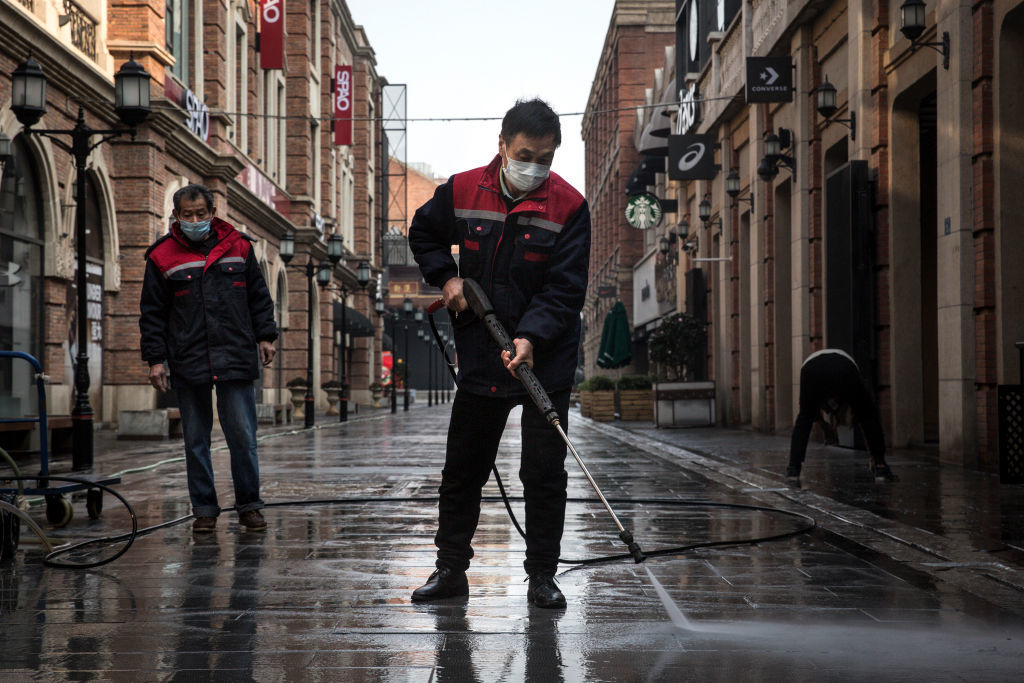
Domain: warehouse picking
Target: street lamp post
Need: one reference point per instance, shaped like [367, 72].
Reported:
[394, 361]
[287, 251]
[421, 333]
[131, 103]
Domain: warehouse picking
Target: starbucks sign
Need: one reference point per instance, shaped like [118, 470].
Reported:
[643, 211]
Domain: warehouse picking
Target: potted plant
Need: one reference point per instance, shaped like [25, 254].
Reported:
[298, 385]
[676, 347]
[636, 397]
[333, 389]
[601, 398]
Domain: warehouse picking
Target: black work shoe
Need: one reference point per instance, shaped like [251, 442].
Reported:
[443, 583]
[884, 474]
[793, 476]
[544, 593]
[253, 520]
[204, 524]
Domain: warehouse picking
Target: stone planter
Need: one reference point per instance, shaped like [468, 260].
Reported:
[377, 395]
[636, 404]
[602, 406]
[684, 404]
[333, 396]
[298, 401]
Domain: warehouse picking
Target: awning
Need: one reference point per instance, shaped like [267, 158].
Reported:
[356, 324]
[644, 173]
[654, 137]
[616, 345]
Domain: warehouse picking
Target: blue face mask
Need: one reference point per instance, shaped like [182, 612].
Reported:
[195, 231]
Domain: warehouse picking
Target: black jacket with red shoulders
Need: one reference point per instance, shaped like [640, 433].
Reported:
[204, 315]
[531, 260]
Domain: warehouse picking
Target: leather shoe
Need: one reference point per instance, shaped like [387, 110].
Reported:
[443, 583]
[544, 593]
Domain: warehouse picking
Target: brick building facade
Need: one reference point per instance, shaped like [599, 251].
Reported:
[634, 45]
[261, 139]
[891, 235]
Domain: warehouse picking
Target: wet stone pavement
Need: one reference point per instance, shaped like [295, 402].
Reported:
[877, 591]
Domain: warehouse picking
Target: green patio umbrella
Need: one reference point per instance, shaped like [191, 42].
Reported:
[616, 345]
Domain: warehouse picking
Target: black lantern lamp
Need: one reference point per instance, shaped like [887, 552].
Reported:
[323, 274]
[363, 274]
[732, 188]
[663, 245]
[378, 306]
[704, 210]
[335, 247]
[131, 93]
[773, 156]
[704, 213]
[418, 315]
[681, 230]
[912, 16]
[287, 247]
[407, 305]
[28, 92]
[827, 107]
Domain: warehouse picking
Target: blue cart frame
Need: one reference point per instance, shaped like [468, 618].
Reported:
[58, 507]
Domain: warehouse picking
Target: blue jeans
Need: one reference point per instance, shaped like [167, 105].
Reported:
[236, 406]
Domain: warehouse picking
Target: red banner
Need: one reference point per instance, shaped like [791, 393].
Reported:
[343, 105]
[272, 34]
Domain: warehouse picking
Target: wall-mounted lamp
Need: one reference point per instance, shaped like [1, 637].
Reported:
[773, 156]
[912, 14]
[827, 107]
[704, 213]
[732, 188]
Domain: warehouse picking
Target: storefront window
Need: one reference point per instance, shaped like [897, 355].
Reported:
[21, 279]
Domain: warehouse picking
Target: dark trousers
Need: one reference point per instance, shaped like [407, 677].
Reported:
[833, 376]
[474, 433]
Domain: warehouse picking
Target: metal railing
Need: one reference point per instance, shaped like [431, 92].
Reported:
[83, 28]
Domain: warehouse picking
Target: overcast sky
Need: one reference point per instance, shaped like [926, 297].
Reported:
[475, 58]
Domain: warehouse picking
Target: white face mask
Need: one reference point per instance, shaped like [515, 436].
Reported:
[526, 176]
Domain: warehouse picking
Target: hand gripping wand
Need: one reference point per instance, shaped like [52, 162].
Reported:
[481, 306]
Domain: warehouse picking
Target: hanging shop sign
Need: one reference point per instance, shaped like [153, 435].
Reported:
[689, 109]
[607, 292]
[198, 120]
[272, 34]
[769, 79]
[643, 211]
[691, 157]
[342, 91]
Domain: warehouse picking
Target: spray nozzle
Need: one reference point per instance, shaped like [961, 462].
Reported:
[634, 547]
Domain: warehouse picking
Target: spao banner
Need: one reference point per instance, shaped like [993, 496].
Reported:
[272, 34]
[342, 90]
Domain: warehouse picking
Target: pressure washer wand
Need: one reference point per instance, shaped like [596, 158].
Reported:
[481, 306]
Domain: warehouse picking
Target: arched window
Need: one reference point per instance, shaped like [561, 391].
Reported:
[21, 278]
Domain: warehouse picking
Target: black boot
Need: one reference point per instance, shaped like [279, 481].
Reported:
[544, 593]
[443, 583]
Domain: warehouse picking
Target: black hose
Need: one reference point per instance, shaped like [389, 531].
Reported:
[129, 537]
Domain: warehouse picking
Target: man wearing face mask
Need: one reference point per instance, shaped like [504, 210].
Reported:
[523, 234]
[207, 316]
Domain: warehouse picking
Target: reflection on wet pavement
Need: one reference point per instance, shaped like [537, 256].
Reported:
[324, 593]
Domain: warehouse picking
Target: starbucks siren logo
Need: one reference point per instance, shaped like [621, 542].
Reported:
[643, 211]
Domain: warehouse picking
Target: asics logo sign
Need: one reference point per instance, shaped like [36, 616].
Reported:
[694, 153]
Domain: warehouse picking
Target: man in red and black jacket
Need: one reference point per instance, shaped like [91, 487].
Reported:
[523, 234]
[207, 319]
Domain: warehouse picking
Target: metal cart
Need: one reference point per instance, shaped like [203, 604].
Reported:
[58, 502]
